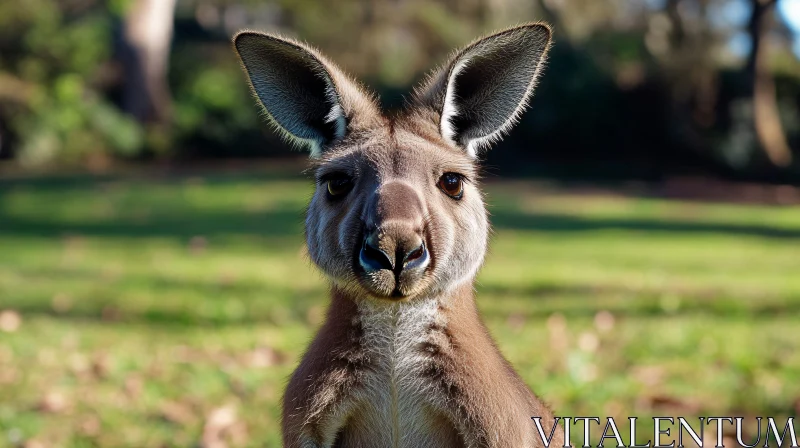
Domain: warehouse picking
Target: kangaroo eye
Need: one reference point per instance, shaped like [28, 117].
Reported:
[339, 186]
[452, 184]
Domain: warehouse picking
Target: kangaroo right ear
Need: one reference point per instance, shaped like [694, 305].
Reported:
[480, 94]
[309, 99]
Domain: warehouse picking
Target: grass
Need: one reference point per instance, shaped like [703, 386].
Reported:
[168, 311]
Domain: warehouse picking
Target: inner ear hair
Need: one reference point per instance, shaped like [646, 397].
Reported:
[309, 100]
[481, 93]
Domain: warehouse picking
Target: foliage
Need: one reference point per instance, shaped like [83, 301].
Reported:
[53, 57]
[641, 89]
[168, 311]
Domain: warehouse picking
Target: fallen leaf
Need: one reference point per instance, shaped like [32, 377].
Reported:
[668, 404]
[556, 323]
[649, 376]
[10, 321]
[133, 386]
[238, 433]
[33, 443]
[6, 355]
[100, 365]
[227, 279]
[588, 342]
[198, 245]
[90, 426]
[218, 423]
[176, 412]
[614, 408]
[264, 357]
[53, 402]
[78, 363]
[604, 321]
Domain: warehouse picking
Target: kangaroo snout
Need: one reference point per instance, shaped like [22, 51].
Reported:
[393, 254]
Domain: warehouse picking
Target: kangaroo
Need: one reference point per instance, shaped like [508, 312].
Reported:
[398, 225]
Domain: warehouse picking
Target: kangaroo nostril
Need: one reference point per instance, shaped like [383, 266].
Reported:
[373, 258]
[415, 254]
[416, 258]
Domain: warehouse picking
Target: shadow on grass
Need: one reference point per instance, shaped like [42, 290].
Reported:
[504, 218]
[180, 224]
[209, 286]
[95, 182]
[289, 221]
[541, 301]
[265, 304]
[171, 220]
[181, 302]
[251, 311]
[165, 318]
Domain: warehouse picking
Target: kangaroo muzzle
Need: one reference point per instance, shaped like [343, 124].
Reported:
[394, 254]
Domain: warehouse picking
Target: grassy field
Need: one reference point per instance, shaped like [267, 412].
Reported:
[168, 311]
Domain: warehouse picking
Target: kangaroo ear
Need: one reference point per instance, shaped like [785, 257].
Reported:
[309, 99]
[481, 92]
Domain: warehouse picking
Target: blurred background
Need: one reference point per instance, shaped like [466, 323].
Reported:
[154, 289]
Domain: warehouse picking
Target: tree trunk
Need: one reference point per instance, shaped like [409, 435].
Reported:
[146, 37]
[765, 107]
[678, 35]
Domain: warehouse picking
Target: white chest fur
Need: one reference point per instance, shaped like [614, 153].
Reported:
[396, 406]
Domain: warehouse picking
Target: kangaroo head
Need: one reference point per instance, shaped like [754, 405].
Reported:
[397, 212]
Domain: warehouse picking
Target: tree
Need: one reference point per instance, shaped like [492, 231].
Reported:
[765, 108]
[146, 37]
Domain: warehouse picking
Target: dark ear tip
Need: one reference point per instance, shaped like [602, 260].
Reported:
[248, 38]
[244, 37]
[543, 29]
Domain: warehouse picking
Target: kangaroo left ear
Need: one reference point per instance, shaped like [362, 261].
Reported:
[308, 98]
[482, 91]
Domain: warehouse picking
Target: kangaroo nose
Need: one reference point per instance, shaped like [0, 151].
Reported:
[393, 254]
[372, 258]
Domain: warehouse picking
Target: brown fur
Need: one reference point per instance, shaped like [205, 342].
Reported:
[488, 404]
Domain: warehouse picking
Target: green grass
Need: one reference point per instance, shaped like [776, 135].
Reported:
[147, 303]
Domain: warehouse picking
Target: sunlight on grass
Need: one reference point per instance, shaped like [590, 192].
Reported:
[151, 306]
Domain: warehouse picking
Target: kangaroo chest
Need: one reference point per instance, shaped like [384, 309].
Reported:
[398, 405]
